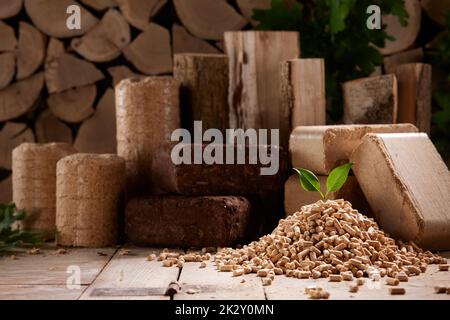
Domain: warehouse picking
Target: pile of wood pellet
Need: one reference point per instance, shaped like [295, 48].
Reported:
[324, 240]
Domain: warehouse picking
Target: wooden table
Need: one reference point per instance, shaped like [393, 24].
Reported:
[107, 273]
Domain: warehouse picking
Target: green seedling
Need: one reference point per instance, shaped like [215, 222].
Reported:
[335, 180]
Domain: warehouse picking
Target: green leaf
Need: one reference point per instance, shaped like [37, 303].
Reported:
[340, 9]
[337, 177]
[308, 180]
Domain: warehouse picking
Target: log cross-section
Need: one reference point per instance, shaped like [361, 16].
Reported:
[31, 51]
[139, 12]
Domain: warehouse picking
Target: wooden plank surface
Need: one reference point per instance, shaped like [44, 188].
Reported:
[208, 283]
[132, 277]
[39, 292]
[50, 268]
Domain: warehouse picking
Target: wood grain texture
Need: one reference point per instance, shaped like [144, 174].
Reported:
[31, 50]
[9, 41]
[254, 92]
[303, 91]
[184, 42]
[10, 8]
[12, 135]
[6, 190]
[139, 12]
[409, 56]
[49, 129]
[73, 105]
[8, 67]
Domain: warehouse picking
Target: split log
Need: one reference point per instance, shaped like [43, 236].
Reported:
[204, 88]
[50, 16]
[49, 129]
[139, 12]
[6, 190]
[150, 52]
[11, 136]
[246, 7]
[371, 100]
[55, 49]
[436, 9]
[119, 73]
[404, 36]
[73, 105]
[9, 41]
[7, 67]
[207, 19]
[410, 56]
[303, 91]
[414, 94]
[105, 41]
[31, 50]
[10, 8]
[100, 5]
[183, 42]
[254, 92]
[68, 71]
[20, 97]
[98, 133]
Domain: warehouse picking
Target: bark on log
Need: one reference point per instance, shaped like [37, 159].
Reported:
[49, 129]
[254, 92]
[247, 6]
[119, 73]
[98, 133]
[105, 41]
[100, 5]
[9, 41]
[414, 95]
[139, 12]
[410, 56]
[20, 97]
[303, 91]
[73, 105]
[8, 68]
[183, 42]
[204, 88]
[207, 19]
[150, 52]
[31, 50]
[436, 9]
[12, 135]
[404, 36]
[10, 8]
[68, 71]
[50, 16]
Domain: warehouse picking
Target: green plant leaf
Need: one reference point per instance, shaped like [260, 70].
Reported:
[339, 11]
[337, 178]
[308, 180]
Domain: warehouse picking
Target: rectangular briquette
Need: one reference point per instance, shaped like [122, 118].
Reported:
[295, 196]
[322, 148]
[407, 185]
[217, 179]
[187, 221]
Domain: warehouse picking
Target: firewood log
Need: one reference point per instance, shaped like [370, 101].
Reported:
[50, 17]
[246, 7]
[139, 12]
[118, 73]
[98, 133]
[20, 97]
[8, 39]
[67, 71]
[436, 9]
[49, 129]
[7, 67]
[105, 41]
[10, 8]
[100, 5]
[31, 50]
[55, 49]
[404, 36]
[12, 135]
[207, 19]
[150, 52]
[183, 42]
[73, 105]
[410, 56]
[6, 190]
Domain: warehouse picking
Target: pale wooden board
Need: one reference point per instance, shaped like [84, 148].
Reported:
[51, 269]
[212, 284]
[132, 277]
[39, 292]
[418, 287]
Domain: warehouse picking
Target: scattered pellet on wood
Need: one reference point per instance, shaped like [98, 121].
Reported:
[397, 291]
[360, 282]
[353, 288]
[440, 289]
[167, 263]
[61, 251]
[34, 251]
[266, 281]
[402, 277]
[203, 264]
[317, 293]
[151, 257]
[335, 278]
[243, 281]
[191, 291]
[443, 267]
[392, 281]
[125, 252]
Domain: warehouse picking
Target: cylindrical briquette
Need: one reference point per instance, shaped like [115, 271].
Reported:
[34, 182]
[147, 112]
[89, 194]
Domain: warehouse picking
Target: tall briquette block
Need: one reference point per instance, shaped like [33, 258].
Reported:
[89, 196]
[34, 181]
[147, 112]
[204, 88]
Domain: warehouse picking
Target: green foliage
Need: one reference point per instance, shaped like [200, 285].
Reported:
[336, 31]
[336, 179]
[10, 236]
